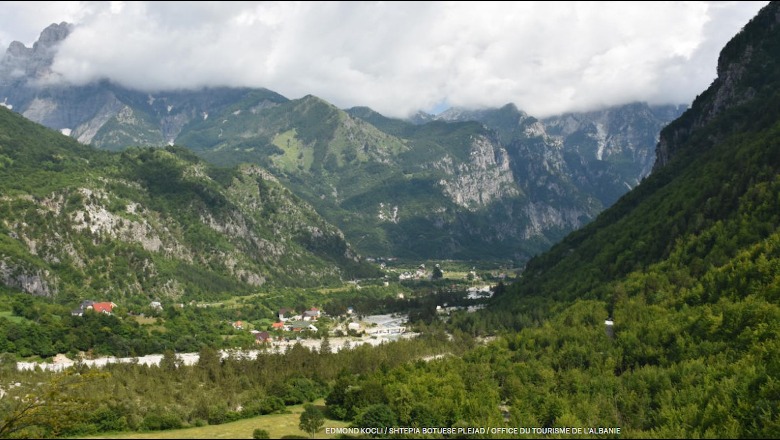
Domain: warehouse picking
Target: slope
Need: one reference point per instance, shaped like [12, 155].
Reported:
[78, 222]
[686, 268]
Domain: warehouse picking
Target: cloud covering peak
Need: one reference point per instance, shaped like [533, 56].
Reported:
[398, 57]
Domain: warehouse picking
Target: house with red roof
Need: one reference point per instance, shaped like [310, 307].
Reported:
[97, 307]
[103, 307]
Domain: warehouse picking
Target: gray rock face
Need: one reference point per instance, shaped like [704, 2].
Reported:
[29, 65]
[31, 281]
[485, 179]
[602, 153]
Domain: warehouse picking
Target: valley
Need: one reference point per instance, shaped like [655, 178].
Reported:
[232, 260]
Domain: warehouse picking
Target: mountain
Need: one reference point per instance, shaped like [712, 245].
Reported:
[489, 184]
[104, 114]
[606, 152]
[685, 269]
[715, 165]
[151, 222]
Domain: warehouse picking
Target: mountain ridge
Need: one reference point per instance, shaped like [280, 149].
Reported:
[152, 222]
[440, 189]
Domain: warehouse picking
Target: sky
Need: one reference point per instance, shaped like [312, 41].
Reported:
[397, 57]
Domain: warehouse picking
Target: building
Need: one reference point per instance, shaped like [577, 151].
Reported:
[98, 307]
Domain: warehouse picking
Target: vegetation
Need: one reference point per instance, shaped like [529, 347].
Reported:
[661, 318]
[312, 419]
[152, 223]
[134, 397]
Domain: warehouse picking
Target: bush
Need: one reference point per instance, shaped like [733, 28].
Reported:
[260, 434]
[161, 420]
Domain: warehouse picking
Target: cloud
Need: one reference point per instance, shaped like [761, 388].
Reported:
[400, 57]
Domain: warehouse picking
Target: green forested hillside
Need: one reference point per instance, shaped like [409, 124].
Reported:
[150, 223]
[688, 267]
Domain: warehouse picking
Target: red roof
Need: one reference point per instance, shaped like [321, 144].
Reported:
[277, 325]
[103, 307]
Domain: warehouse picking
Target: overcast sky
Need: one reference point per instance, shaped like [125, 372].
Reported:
[397, 58]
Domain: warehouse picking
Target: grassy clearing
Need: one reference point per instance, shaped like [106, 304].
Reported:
[295, 153]
[330, 290]
[9, 315]
[277, 425]
[145, 320]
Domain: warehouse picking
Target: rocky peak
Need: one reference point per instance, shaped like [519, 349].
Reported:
[52, 35]
[35, 62]
[17, 50]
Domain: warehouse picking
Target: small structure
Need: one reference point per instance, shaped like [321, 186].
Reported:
[609, 327]
[104, 307]
[98, 307]
[262, 338]
[285, 314]
[312, 314]
[394, 330]
[277, 326]
[238, 325]
[155, 305]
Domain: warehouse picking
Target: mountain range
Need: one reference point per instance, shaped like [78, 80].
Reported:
[465, 184]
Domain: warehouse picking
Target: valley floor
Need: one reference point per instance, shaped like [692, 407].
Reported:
[61, 363]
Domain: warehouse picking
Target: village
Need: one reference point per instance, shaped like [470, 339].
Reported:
[370, 312]
[309, 328]
[291, 329]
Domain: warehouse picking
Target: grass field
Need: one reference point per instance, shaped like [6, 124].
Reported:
[277, 425]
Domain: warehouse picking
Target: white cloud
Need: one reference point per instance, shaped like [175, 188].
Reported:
[396, 57]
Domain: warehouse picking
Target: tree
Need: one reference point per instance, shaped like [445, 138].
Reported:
[169, 361]
[260, 434]
[311, 420]
[46, 408]
[378, 416]
[325, 345]
[437, 273]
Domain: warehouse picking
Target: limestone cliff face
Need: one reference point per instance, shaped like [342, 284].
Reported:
[30, 280]
[486, 178]
[624, 135]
